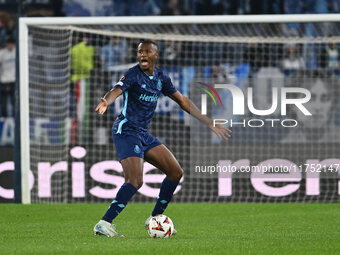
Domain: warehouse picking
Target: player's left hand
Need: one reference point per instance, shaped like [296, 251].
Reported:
[222, 133]
[102, 106]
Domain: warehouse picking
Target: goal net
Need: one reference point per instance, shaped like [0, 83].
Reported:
[272, 81]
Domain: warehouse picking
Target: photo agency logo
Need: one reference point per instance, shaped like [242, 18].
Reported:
[280, 98]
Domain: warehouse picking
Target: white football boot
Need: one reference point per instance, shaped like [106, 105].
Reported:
[105, 228]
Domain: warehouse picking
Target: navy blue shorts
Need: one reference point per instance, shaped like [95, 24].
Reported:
[133, 146]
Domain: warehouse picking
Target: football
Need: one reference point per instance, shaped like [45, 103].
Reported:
[160, 226]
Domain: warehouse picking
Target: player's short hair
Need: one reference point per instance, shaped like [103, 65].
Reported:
[149, 41]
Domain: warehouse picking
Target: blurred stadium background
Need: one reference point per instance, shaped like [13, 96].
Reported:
[73, 160]
[71, 67]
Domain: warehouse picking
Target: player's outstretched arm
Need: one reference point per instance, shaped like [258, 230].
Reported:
[108, 99]
[187, 105]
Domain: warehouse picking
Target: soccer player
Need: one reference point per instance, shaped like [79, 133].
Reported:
[141, 86]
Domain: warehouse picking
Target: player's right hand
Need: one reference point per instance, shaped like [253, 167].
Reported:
[102, 106]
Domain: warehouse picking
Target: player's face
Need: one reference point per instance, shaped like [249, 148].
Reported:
[147, 55]
[319, 105]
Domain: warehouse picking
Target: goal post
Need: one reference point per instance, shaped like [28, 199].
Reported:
[205, 41]
[22, 164]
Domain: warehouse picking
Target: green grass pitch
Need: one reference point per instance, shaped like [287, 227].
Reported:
[202, 229]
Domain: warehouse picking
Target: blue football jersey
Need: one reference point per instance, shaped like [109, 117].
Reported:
[141, 93]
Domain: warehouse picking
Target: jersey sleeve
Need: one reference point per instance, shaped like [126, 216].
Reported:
[126, 81]
[168, 88]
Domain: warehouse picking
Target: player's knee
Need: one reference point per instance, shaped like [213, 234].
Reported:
[179, 174]
[136, 182]
[176, 175]
[139, 184]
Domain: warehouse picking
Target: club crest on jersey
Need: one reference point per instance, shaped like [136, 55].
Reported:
[159, 85]
[137, 149]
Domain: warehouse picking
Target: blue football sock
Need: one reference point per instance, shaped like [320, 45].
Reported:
[165, 194]
[125, 193]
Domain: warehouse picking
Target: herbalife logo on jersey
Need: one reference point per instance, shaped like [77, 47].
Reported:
[294, 96]
[147, 98]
